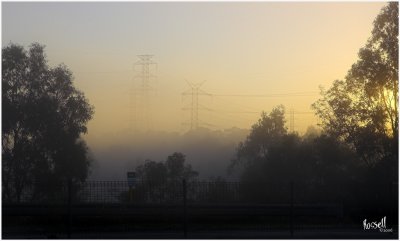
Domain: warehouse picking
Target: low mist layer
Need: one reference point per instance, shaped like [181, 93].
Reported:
[209, 152]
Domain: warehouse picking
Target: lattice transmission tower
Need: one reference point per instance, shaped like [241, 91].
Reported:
[194, 106]
[141, 98]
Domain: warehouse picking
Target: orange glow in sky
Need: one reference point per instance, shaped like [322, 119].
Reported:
[253, 56]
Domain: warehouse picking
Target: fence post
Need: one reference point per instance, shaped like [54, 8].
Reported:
[184, 208]
[130, 195]
[291, 209]
[69, 224]
[394, 206]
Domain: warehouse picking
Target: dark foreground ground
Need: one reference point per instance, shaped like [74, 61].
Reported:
[327, 221]
[223, 234]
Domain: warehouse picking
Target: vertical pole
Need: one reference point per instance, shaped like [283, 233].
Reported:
[291, 209]
[130, 194]
[184, 208]
[69, 208]
[394, 204]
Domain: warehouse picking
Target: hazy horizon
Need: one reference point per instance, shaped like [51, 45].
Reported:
[253, 57]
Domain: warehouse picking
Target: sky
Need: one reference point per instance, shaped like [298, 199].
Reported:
[241, 51]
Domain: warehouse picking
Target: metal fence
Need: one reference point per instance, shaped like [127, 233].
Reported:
[103, 207]
[157, 192]
[170, 192]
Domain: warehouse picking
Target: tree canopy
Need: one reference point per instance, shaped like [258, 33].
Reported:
[268, 129]
[271, 157]
[271, 154]
[362, 109]
[173, 169]
[44, 116]
[357, 147]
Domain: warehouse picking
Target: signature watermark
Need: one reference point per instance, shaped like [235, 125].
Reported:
[380, 225]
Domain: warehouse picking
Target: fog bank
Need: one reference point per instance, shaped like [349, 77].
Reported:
[209, 152]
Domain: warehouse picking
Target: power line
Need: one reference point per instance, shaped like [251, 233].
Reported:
[310, 93]
[304, 112]
[102, 72]
[232, 111]
[235, 105]
[194, 106]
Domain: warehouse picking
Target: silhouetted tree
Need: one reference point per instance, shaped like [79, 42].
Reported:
[312, 132]
[152, 172]
[152, 180]
[177, 170]
[268, 129]
[271, 158]
[366, 101]
[362, 109]
[44, 116]
[163, 180]
[173, 169]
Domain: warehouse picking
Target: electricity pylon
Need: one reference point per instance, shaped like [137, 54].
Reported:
[194, 91]
[141, 96]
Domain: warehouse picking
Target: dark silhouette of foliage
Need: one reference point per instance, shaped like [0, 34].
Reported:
[271, 158]
[362, 109]
[362, 112]
[162, 181]
[268, 129]
[173, 169]
[43, 118]
[151, 171]
[176, 168]
[358, 145]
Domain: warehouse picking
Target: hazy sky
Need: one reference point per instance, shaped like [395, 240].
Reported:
[257, 48]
